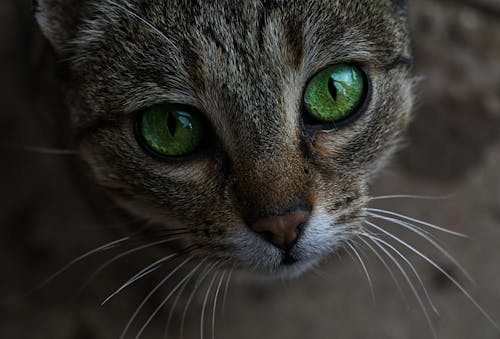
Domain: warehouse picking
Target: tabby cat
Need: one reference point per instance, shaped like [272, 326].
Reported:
[253, 126]
[248, 130]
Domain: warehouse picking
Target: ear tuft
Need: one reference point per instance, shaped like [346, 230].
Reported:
[59, 20]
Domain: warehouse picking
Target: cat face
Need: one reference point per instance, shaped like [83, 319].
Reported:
[268, 186]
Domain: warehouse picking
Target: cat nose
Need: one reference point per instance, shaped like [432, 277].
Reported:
[282, 231]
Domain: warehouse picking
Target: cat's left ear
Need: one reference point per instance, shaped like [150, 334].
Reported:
[59, 20]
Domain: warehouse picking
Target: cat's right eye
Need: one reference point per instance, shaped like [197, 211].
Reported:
[170, 130]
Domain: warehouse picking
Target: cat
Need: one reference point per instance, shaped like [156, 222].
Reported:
[270, 171]
[245, 132]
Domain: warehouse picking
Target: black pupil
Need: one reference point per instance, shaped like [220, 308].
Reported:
[172, 124]
[332, 88]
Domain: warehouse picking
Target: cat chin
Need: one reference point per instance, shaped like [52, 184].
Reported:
[269, 269]
[294, 270]
[283, 271]
[267, 263]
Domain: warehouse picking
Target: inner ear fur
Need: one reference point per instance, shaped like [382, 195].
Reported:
[59, 20]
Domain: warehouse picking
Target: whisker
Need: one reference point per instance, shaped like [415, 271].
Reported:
[226, 289]
[132, 280]
[377, 241]
[197, 285]
[353, 258]
[205, 300]
[42, 150]
[441, 229]
[430, 240]
[124, 254]
[144, 272]
[169, 231]
[150, 294]
[164, 233]
[364, 269]
[215, 303]
[168, 234]
[410, 196]
[145, 22]
[394, 220]
[415, 272]
[387, 267]
[440, 269]
[173, 307]
[185, 279]
[102, 248]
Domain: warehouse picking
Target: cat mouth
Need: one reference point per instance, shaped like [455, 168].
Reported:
[291, 266]
[288, 259]
[255, 253]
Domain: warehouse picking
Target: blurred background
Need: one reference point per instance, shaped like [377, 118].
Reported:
[47, 215]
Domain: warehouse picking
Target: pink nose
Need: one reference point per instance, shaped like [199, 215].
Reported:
[283, 230]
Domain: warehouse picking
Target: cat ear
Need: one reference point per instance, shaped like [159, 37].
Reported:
[59, 20]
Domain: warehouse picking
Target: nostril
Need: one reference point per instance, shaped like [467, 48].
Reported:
[282, 231]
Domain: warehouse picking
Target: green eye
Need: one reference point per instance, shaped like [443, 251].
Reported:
[170, 130]
[335, 93]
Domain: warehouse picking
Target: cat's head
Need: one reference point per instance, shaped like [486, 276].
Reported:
[253, 125]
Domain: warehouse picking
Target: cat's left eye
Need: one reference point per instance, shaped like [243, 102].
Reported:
[170, 130]
[335, 94]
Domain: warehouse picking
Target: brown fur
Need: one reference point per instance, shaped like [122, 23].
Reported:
[244, 65]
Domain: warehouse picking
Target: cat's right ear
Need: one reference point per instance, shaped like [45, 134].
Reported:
[59, 20]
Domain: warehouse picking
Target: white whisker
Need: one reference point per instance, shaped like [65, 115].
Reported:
[226, 289]
[387, 267]
[197, 285]
[146, 22]
[409, 196]
[215, 303]
[173, 307]
[429, 239]
[393, 220]
[440, 269]
[441, 229]
[102, 248]
[150, 269]
[43, 150]
[124, 254]
[150, 294]
[205, 300]
[155, 312]
[364, 269]
[377, 241]
[415, 272]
